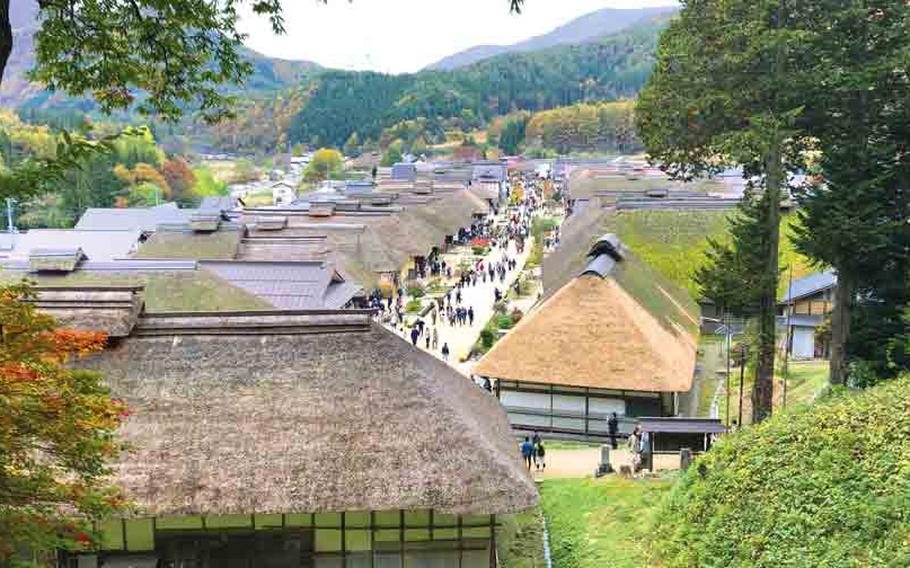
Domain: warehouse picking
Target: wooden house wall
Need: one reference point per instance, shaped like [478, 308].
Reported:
[578, 410]
[357, 538]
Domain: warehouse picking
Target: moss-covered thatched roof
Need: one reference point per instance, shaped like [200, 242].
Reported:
[303, 412]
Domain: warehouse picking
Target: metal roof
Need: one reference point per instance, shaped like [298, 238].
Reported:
[809, 285]
[144, 219]
[681, 425]
[7, 240]
[491, 172]
[302, 285]
[217, 203]
[97, 245]
[601, 265]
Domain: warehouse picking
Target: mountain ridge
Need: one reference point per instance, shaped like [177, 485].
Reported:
[16, 90]
[587, 28]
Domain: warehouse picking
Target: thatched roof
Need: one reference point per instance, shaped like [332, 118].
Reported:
[593, 332]
[303, 412]
[113, 310]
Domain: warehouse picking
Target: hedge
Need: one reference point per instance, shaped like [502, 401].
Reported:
[821, 485]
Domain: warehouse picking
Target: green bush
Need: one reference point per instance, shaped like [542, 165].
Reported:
[821, 485]
[487, 337]
[413, 306]
[479, 250]
[504, 321]
[416, 291]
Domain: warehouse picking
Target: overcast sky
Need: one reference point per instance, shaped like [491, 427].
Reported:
[405, 35]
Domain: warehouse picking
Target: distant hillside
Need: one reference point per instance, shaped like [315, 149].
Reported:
[17, 92]
[585, 29]
[343, 102]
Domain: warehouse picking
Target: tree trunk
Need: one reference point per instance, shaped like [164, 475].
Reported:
[763, 389]
[6, 37]
[840, 329]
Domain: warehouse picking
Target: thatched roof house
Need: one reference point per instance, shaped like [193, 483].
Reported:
[320, 420]
[607, 341]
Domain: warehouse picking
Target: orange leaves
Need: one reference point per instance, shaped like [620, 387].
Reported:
[57, 429]
[66, 341]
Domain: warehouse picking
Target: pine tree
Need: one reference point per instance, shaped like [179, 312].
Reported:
[722, 93]
[856, 220]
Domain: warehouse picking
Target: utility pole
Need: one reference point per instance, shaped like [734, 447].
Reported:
[729, 334]
[10, 206]
[787, 337]
[742, 377]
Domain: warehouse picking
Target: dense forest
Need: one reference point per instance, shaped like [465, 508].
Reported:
[136, 172]
[341, 103]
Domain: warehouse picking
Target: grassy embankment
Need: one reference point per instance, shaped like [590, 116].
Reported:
[674, 242]
[166, 291]
[591, 523]
[807, 380]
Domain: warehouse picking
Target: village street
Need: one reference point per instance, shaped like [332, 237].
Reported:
[460, 338]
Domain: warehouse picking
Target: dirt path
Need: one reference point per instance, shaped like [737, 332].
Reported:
[571, 463]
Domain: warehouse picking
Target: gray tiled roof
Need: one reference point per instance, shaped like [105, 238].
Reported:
[811, 284]
[306, 285]
[133, 218]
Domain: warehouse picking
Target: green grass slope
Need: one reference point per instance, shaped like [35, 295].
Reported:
[595, 523]
[821, 485]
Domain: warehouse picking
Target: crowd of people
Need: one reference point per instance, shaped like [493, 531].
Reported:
[505, 235]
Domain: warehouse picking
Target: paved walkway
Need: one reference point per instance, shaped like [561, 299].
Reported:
[461, 338]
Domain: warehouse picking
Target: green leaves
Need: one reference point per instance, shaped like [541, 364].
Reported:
[826, 485]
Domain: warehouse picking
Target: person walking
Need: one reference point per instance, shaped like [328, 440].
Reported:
[634, 441]
[540, 456]
[414, 335]
[613, 429]
[527, 451]
[435, 339]
[445, 351]
[471, 315]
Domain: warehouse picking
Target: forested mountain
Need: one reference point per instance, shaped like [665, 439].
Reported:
[584, 29]
[341, 103]
[16, 91]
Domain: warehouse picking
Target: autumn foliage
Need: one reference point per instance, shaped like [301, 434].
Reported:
[57, 428]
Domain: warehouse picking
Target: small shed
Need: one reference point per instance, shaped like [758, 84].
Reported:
[64, 259]
[668, 435]
[271, 222]
[322, 209]
[205, 222]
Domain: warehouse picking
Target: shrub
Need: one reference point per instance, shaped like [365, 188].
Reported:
[487, 337]
[517, 315]
[413, 306]
[504, 321]
[416, 291]
[823, 485]
[479, 250]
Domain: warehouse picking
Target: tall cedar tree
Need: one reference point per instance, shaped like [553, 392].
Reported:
[722, 92]
[856, 220]
[56, 433]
